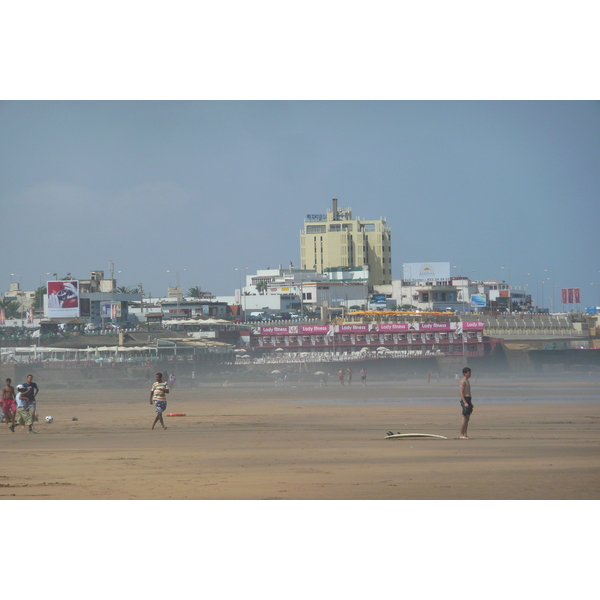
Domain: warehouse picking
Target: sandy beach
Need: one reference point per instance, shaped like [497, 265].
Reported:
[532, 439]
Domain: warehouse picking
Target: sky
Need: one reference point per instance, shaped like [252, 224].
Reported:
[499, 189]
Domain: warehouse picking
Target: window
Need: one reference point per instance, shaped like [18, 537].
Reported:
[316, 229]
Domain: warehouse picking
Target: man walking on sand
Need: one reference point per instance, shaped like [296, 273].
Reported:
[158, 395]
[22, 415]
[464, 388]
[31, 391]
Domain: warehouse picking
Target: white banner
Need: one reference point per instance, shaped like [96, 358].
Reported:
[63, 299]
[437, 271]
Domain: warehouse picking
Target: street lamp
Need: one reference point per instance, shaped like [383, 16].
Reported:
[509, 296]
[241, 290]
[551, 271]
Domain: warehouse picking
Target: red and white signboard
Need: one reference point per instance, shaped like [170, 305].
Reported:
[63, 299]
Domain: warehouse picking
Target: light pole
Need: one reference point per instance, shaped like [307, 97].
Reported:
[523, 286]
[241, 290]
[551, 271]
[509, 296]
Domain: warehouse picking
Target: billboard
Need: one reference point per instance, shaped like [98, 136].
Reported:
[478, 301]
[435, 271]
[63, 299]
[571, 295]
[110, 310]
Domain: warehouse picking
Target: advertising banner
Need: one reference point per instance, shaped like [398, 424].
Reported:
[435, 326]
[435, 271]
[392, 327]
[318, 329]
[473, 325]
[577, 295]
[564, 295]
[478, 301]
[30, 316]
[353, 328]
[2, 317]
[63, 299]
[110, 310]
[570, 295]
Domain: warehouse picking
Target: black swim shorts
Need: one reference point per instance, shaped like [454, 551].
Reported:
[466, 410]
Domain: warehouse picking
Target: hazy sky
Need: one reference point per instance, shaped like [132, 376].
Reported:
[209, 186]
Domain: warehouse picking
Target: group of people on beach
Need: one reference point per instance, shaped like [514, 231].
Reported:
[19, 408]
[347, 376]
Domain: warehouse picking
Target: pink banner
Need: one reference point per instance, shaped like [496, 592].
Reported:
[320, 329]
[388, 327]
[434, 327]
[473, 325]
[564, 295]
[276, 330]
[354, 328]
[577, 296]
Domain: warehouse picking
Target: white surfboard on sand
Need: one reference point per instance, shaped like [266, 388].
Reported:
[397, 436]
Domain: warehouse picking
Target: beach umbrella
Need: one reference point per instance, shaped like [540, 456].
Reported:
[320, 373]
[275, 371]
[279, 350]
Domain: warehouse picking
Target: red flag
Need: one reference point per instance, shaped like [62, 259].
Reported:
[564, 295]
[570, 295]
[577, 295]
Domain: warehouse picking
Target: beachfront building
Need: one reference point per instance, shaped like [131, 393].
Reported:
[302, 290]
[337, 240]
[24, 299]
[414, 338]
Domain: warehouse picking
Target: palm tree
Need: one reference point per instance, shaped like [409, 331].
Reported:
[38, 301]
[195, 292]
[261, 286]
[12, 309]
[127, 290]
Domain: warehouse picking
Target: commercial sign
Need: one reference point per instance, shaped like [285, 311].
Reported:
[435, 271]
[478, 301]
[63, 299]
[473, 324]
[110, 310]
[571, 295]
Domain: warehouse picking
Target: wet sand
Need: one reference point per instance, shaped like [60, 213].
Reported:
[267, 442]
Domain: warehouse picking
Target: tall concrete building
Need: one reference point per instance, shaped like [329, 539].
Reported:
[336, 241]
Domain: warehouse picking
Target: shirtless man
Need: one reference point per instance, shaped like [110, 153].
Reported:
[9, 406]
[464, 388]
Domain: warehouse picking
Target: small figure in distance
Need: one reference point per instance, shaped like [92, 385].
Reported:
[9, 406]
[158, 395]
[464, 388]
[363, 376]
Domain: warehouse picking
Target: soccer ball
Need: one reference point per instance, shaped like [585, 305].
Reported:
[49, 419]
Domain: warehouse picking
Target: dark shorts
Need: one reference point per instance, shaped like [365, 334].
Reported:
[466, 410]
[161, 406]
